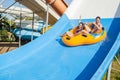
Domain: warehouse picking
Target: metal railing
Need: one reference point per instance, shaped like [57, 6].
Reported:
[111, 68]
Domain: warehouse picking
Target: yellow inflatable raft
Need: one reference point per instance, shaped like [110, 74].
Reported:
[83, 39]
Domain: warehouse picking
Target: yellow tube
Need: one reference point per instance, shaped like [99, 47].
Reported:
[83, 39]
[58, 5]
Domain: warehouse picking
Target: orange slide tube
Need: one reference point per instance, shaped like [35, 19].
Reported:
[58, 5]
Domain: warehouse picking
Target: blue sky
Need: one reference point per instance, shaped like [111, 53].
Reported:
[68, 1]
[7, 3]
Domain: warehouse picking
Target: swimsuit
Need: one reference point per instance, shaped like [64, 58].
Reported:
[78, 30]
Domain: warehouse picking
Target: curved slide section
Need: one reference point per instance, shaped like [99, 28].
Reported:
[26, 33]
[47, 58]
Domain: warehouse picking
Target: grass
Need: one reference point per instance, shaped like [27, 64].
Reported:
[115, 72]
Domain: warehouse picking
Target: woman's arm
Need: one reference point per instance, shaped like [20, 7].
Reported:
[99, 26]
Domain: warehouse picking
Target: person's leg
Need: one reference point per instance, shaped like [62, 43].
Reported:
[69, 34]
[84, 31]
[87, 28]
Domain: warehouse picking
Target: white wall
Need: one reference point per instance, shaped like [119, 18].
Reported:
[93, 8]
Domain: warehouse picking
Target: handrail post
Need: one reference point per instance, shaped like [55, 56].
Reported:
[20, 28]
[32, 27]
[47, 17]
[109, 71]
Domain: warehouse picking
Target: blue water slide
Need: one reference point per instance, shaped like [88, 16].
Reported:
[26, 34]
[36, 27]
[47, 58]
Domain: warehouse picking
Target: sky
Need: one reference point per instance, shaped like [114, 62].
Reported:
[7, 3]
[68, 1]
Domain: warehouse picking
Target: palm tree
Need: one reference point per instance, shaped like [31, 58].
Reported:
[4, 25]
[5, 29]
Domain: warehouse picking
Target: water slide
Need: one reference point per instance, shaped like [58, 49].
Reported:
[47, 58]
[26, 34]
[27, 31]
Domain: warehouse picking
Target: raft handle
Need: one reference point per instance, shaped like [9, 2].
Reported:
[84, 35]
[102, 28]
[68, 38]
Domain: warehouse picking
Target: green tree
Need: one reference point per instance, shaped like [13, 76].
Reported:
[6, 27]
